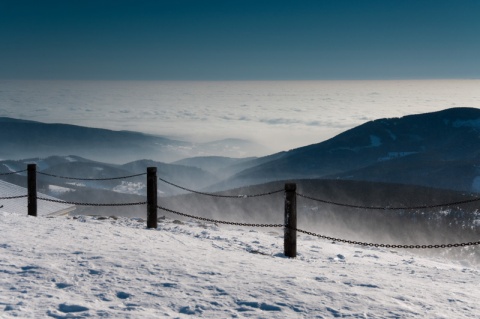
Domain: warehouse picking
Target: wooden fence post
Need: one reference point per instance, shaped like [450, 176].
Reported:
[290, 237]
[32, 189]
[152, 197]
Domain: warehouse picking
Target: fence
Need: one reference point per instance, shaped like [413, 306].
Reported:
[290, 211]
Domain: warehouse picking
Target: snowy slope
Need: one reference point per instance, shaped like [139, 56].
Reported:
[115, 268]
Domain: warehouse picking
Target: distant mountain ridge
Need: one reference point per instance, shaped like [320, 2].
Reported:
[439, 149]
[23, 139]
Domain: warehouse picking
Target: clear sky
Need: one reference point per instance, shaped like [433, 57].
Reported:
[239, 39]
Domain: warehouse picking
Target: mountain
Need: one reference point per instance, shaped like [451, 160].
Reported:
[224, 167]
[24, 139]
[439, 149]
[53, 169]
[213, 164]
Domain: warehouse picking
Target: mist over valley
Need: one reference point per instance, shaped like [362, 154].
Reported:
[413, 161]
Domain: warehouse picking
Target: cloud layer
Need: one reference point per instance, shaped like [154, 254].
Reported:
[279, 114]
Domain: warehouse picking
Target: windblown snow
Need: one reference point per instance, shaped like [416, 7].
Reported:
[88, 267]
[130, 188]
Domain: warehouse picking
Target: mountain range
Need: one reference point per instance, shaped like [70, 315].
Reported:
[21, 139]
[416, 160]
[440, 150]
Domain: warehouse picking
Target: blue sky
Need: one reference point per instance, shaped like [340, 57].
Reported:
[239, 40]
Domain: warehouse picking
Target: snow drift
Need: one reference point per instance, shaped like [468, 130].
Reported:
[85, 267]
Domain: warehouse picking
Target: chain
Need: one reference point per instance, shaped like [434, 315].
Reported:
[14, 197]
[90, 204]
[323, 236]
[391, 208]
[219, 221]
[91, 179]
[218, 195]
[386, 245]
[11, 173]
[271, 225]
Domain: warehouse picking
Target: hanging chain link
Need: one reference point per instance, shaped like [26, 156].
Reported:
[391, 208]
[91, 179]
[219, 195]
[385, 245]
[12, 173]
[91, 204]
[323, 236]
[219, 221]
[256, 224]
[14, 197]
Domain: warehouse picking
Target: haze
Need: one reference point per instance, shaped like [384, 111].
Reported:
[277, 114]
[281, 73]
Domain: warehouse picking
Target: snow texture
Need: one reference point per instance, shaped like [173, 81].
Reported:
[88, 267]
[58, 190]
[20, 205]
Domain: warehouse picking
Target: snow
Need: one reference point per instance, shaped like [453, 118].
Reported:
[76, 184]
[41, 164]
[9, 167]
[392, 155]
[392, 136]
[467, 123]
[476, 184]
[375, 141]
[137, 188]
[20, 205]
[59, 189]
[83, 267]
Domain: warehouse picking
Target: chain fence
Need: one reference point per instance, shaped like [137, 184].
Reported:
[352, 242]
[216, 221]
[12, 173]
[242, 224]
[14, 197]
[91, 179]
[91, 204]
[220, 195]
[476, 199]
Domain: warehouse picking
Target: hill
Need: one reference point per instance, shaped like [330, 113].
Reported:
[425, 149]
[115, 268]
[439, 149]
[21, 139]
[91, 181]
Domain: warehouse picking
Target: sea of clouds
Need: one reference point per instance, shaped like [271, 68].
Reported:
[278, 114]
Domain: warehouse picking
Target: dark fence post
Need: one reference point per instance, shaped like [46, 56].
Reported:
[32, 189]
[290, 238]
[152, 197]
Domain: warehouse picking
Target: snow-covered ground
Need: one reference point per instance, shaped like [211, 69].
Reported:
[115, 268]
[58, 190]
[130, 188]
